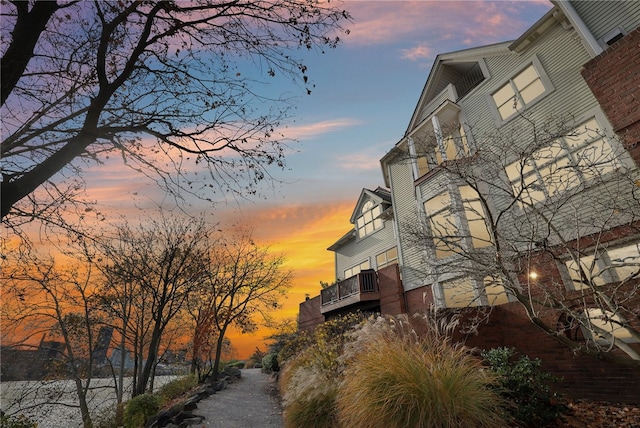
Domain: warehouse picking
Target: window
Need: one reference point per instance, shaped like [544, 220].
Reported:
[387, 258]
[612, 265]
[604, 324]
[443, 227]
[445, 222]
[423, 165]
[369, 221]
[348, 273]
[463, 292]
[459, 293]
[495, 291]
[582, 155]
[475, 216]
[519, 92]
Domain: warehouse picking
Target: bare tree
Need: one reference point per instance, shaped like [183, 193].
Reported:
[171, 87]
[547, 215]
[244, 284]
[55, 299]
[164, 259]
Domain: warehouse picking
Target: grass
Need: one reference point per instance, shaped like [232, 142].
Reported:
[399, 379]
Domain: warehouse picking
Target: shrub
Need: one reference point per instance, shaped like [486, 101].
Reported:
[177, 387]
[236, 364]
[309, 389]
[109, 417]
[20, 421]
[525, 385]
[139, 409]
[310, 378]
[396, 378]
[270, 363]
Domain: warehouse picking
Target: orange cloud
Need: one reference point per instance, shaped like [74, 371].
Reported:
[302, 233]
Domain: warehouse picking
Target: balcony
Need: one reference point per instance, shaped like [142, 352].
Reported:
[360, 288]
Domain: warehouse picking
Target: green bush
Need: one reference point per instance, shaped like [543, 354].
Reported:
[139, 409]
[177, 387]
[20, 421]
[526, 386]
[270, 363]
[236, 364]
[398, 379]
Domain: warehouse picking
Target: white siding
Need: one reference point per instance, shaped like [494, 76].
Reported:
[358, 250]
[405, 206]
[603, 16]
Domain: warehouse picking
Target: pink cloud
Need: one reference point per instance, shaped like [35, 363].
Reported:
[419, 52]
[313, 130]
[426, 23]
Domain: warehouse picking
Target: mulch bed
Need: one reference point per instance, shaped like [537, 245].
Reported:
[593, 414]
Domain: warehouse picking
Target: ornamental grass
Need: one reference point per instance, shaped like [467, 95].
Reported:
[396, 379]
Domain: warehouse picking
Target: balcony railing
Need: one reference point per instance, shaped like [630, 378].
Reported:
[363, 283]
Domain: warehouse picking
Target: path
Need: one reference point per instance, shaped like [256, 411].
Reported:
[247, 403]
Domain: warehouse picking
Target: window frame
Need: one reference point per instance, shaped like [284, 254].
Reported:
[369, 216]
[563, 152]
[387, 261]
[605, 270]
[522, 106]
[459, 215]
[356, 269]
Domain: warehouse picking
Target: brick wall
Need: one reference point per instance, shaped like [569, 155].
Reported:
[614, 79]
[583, 375]
[309, 315]
[391, 296]
[419, 299]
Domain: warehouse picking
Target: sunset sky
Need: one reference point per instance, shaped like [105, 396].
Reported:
[365, 92]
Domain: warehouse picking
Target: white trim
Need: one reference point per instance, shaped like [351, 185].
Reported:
[590, 43]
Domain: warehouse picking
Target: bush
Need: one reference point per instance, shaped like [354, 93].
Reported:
[139, 409]
[20, 421]
[525, 385]
[311, 375]
[270, 363]
[109, 417]
[236, 364]
[177, 387]
[399, 379]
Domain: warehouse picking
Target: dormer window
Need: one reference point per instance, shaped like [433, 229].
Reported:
[370, 220]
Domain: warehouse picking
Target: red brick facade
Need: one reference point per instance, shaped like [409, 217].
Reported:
[392, 300]
[614, 79]
[309, 315]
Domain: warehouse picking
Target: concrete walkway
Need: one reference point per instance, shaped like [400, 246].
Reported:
[248, 403]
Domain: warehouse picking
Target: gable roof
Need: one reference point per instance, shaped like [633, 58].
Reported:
[450, 69]
[379, 196]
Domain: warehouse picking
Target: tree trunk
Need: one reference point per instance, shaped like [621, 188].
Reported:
[29, 26]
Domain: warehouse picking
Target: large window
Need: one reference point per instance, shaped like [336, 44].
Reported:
[445, 221]
[463, 292]
[443, 225]
[369, 221]
[520, 91]
[387, 258]
[475, 216]
[348, 273]
[582, 155]
[604, 266]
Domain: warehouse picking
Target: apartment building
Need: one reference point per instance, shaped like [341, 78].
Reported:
[513, 197]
